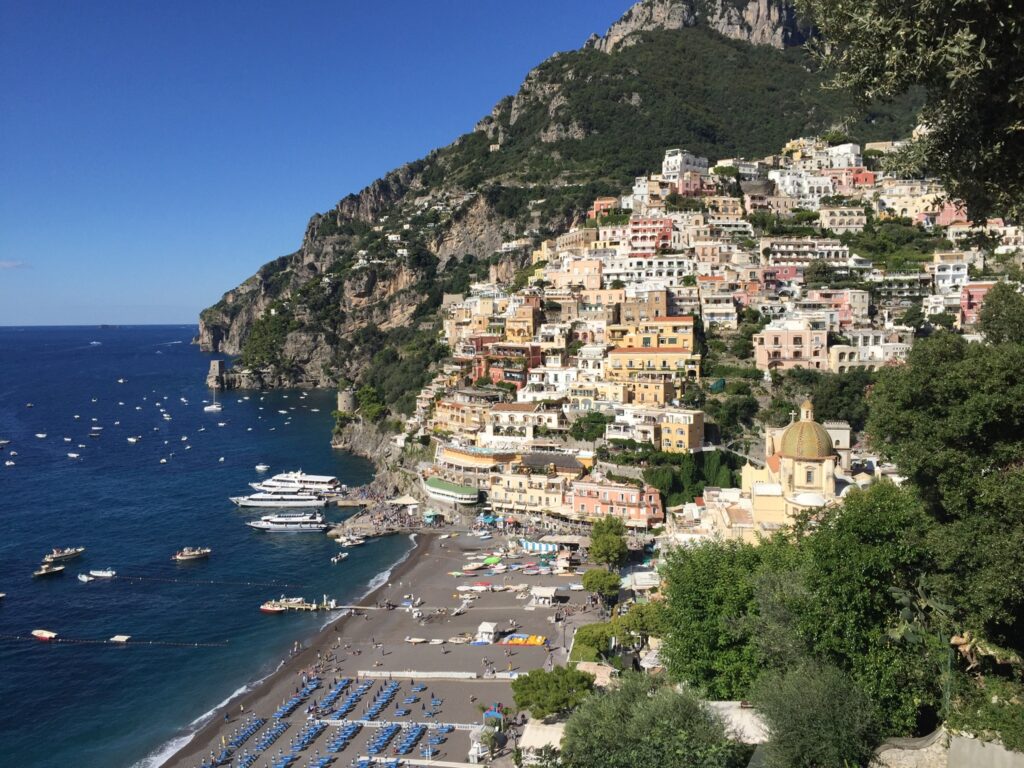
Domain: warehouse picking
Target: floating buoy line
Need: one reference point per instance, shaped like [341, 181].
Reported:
[129, 641]
[170, 580]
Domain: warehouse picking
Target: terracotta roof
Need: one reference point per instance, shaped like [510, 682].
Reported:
[774, 462]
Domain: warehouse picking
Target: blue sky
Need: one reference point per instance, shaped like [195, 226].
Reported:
[153, 155]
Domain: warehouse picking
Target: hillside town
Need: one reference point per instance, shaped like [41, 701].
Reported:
[704, 279]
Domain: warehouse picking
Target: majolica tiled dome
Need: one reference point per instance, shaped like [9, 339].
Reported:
[806, 439]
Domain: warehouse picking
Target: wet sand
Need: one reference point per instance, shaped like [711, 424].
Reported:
[374, 644]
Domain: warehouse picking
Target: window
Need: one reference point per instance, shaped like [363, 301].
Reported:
[798, 341]
[810, 476]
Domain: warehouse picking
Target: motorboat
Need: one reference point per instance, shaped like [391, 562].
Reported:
[339, 557]
[85, 578]
[191, 553]
[134, 439]
[293, 522]
[8, 463]
[47, 569]
[279, 500]
[41, 435]
[262, 467]
[74, 455]
[351, 541]
[291, 482]
[105, 573]
[63, 555]
[44, 634]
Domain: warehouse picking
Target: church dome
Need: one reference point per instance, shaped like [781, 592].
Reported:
[806, 439]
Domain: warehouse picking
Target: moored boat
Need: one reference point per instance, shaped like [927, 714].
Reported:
[290, 522]
[279, 500]
[85, 578]
[63, 555]
[44, 634]
[105, 573]
[191, 553]
[262, 467]
[46, 569]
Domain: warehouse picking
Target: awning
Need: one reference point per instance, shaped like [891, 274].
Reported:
[537, 546]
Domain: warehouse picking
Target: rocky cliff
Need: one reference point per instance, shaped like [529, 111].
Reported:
[760, 22]
[358, 300]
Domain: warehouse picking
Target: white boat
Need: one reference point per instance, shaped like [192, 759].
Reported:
[290, 522]
[262, 467]
[8, 463]
[104, 573]
[298, 482]
[351, 541]
[214, 407]
[120, 381]
[134, 439]
[279, 500]
[41, 435]
[58, 555]
[44, 634]
[67, 439]
[85, 578]
[73, 455]
[339, 557]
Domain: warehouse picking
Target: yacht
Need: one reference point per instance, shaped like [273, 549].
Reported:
[287, 522]
[279, 500]
[191, 553]
[214, 407]
[63, 555]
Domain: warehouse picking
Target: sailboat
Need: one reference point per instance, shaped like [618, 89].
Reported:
[213, 407]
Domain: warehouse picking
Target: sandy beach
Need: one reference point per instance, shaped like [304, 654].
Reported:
[371, 646]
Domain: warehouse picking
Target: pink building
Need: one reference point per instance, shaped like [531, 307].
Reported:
[593, 498]
[972, 299]
[787, 344]
[649, 234]
[849, 304]
[601, 206]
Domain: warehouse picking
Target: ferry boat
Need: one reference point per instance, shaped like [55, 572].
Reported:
[299, 481]
[63, 555]
[279, 500]
[104, 573]
[290, 522]
[191, 553]
[46, 569]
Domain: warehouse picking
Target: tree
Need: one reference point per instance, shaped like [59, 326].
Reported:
[643, 721]
[602, 583]
[710, 643]
[642, 621]
[1002, 315]
[589, 427]
[608, 543]
[962, 54]
[551, 693]
[816, 717]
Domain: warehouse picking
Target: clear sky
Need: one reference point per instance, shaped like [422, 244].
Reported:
[153, 155]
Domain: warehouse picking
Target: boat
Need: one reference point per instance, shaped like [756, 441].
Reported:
[339, 557]
[120, 381]
[106, 573]
[8, 463]
[63, 555]
[191, 553]
[44, 634]
[41, 435]
[67, 439]
[262, 467]
[214, 407]
[292, 482]
[292, 522]
[351, 541]
[134, 439]
[85, 578]
[47, 569]
[73, 455]
[279, 500]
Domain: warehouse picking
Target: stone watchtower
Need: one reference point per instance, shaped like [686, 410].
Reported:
[215, 376]
[346, 400]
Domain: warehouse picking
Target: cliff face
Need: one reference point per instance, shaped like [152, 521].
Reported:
[760, 22]
[358, 299]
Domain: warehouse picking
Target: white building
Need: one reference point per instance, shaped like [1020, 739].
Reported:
[679, 161]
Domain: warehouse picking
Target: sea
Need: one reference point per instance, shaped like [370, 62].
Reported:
[197, 635]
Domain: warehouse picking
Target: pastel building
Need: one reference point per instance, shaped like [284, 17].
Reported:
[593, 498]
[786, 344]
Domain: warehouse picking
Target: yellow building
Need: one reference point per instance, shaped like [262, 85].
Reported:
[627, 363]
[682, 431]
[524, 492]
[799, 474]
[650, 390]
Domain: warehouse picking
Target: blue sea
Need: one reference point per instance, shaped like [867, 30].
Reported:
[97, 705]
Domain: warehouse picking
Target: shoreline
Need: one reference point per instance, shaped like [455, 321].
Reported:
[249, 695]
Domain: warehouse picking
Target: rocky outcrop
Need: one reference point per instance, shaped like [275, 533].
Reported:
[761, 22]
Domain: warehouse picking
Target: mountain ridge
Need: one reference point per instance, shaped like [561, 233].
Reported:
[357, 300]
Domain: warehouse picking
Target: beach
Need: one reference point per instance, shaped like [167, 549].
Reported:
[371, 645]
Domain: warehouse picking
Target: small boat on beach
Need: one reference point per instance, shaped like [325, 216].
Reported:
[105, 573]
[191, 553]
[46, 569]
[63, 555]
[85, 578]
[44, 635]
